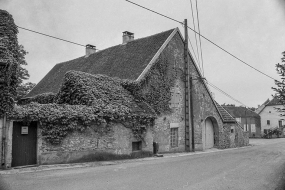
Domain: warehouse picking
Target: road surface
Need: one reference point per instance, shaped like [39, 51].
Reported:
[260, 167]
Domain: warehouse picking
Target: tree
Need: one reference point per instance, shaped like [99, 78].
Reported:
[280, 89]
[23, 88]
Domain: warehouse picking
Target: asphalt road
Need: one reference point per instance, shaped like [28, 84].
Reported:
[260, 167]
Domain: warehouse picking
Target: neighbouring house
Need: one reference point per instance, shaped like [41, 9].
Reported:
[270, 117]
[246, 118]
[120, 100]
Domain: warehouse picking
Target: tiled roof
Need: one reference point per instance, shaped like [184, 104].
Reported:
[126, 61]
[240, 111]
[227, 118]
[274, 102]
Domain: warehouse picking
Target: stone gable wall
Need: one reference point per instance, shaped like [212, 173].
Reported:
[203, 106]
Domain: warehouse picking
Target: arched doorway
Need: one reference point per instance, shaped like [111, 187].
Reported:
[209, 132]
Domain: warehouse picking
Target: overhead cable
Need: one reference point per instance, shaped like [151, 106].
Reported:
[226, 94]
[195, 33]
[51, 36]
[201, 51]
[204, 38]
[194, 53]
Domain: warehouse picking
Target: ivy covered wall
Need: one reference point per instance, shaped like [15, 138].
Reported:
[163, 89]
[166, 83]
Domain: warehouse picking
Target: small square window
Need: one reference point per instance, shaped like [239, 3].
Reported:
[268, 122]
[174, 137]
[136, 146]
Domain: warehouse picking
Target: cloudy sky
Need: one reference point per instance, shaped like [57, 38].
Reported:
[253, 30]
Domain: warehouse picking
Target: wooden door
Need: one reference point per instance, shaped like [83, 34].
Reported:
[209, 134]
[24, 144]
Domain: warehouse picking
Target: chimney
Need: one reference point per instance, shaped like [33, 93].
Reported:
[90, 49]
[127, 37]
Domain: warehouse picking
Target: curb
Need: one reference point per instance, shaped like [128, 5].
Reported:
[106, 163]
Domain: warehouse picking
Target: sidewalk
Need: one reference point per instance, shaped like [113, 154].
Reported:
[18, 170]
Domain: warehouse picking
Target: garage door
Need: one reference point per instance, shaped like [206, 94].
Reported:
[209, 134]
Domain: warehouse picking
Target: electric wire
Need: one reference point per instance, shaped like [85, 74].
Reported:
[226, 94]
[195, 33]
[194, 52]
[51, 36]
[205, 39]
[201, 51]
[217, 88]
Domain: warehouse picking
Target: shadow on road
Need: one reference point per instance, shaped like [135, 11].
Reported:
[281, 183]
[4, 185]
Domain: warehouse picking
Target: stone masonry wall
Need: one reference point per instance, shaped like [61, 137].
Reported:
[233, 136]
[202, 104]
[118, 140]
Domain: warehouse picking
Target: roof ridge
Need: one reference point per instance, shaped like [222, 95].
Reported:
[135, 40]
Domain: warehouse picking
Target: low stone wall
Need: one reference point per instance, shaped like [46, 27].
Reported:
[79, 145]
[233, 136]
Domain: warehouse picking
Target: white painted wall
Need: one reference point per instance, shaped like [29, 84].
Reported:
[269, 113]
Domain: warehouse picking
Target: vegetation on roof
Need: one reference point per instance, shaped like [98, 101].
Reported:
[83, 99]
[124, 61]
[154, 87]
[44, 98]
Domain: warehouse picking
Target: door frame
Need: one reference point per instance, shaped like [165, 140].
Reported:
[205, 133]
[215, 131]
[8, 143]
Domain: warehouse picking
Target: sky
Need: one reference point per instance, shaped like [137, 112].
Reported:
[252, 30]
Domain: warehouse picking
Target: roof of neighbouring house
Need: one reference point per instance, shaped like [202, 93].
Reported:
[274, 102]
[226, 116]
[240, 111]
[126, 61]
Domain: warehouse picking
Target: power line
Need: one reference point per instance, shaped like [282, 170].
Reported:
[220, 90]
[226, 94]
[204, 38]
[201, 51]
[195, 33]
[51, 36]
[194, 53]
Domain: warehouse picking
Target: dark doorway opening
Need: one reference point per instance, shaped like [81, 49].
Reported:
[24, 144]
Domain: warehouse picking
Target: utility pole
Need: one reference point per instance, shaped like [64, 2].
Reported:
[188, 98]
[192, 115]
[187, 90]
[246, 129]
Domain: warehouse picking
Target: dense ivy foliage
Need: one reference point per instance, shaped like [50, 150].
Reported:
[82, 100]
[45, 98]
[8, 62]
[155, 87]
[86, 89]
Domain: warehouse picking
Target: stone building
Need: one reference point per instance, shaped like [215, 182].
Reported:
[152, 70]
[246, 118]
